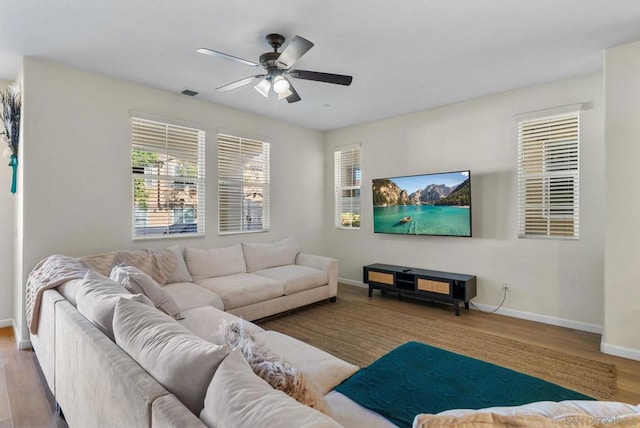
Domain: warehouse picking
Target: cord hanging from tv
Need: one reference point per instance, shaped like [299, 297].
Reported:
[428, 204]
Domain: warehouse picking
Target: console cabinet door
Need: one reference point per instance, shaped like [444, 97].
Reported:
[434, 286]
[380, 277]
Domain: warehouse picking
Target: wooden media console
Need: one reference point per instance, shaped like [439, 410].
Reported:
[452, 288]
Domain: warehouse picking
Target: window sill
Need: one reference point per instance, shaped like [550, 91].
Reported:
[242, 232]
[168, 236]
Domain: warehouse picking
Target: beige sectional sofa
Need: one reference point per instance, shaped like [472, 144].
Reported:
[252, 280]
[113, 358]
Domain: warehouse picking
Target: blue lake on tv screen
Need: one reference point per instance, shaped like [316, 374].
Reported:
[425, 220]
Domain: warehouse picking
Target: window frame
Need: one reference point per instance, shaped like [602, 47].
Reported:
[347, 169]
[182, 143]
[549, 174]
[252, 197]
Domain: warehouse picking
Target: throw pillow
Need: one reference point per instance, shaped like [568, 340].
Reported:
[182, 362]
[488, 420]
[214, 262]
[568, 413]
[97, 297]
[236, 397]
[136, 281]
[181, 273]
[260, 256]
[272, 368]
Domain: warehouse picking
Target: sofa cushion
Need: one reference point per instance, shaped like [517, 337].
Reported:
[260, 256]
[181, 273]
[189, 295]
[296, 278]
[180, 361]
[243, 289]
[326, 370]
[348, 413]
[97, 297]
[214, 262]
[236, 397]
[277, 372]
[136, 281]
[69, 290]
[205, 322]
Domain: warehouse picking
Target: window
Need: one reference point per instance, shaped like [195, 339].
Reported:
[243, 185]
[347, 182]
[168, 179]
[548, 176]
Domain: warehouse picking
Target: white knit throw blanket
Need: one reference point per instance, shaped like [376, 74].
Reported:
[49, 273]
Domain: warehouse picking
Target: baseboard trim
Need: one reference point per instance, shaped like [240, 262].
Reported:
[6, 323]
[619, 351]
[21, 343]
[545, 319]
[352, 282]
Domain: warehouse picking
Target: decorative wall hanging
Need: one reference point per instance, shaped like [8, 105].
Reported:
[11, 100]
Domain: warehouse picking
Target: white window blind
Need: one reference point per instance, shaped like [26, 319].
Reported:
[243, 185]
[168, 179]
[548, 176]
[347, 182]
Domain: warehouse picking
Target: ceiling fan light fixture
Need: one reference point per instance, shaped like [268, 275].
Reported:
[263, 87]
[285, 94]
[280, 85]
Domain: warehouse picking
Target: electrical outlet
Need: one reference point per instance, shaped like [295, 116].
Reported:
[505, 286]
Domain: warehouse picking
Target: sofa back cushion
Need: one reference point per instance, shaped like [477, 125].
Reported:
[180, 361]
[181, 273]
[260, 256]
[214, 262]
[238, 397]
[97, 297]
[136, 281]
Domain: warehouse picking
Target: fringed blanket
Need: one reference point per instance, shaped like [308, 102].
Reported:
[58, 269]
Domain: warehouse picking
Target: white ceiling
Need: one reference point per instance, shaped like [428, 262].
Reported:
[405, 56]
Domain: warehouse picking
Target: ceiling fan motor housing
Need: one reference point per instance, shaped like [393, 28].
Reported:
[268, 59]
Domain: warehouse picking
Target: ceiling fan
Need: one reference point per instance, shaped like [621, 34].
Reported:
[278, 69]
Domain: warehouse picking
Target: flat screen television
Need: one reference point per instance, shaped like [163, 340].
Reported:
[428, 204]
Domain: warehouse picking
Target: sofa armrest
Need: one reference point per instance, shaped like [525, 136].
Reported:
[95, 380]
[325, 264]
[169, 412]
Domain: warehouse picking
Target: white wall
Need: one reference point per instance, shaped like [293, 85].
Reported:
[622, 232]
[554, 281]
[7, 232]
[76, 185]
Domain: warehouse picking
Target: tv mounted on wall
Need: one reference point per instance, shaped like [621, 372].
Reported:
[428, 204]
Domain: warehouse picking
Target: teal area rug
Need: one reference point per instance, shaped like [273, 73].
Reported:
[417, 378]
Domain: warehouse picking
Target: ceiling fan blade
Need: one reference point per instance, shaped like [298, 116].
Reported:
[239, 83]
[227, 56]
[338, 79]
[298, 47]
[294, 97]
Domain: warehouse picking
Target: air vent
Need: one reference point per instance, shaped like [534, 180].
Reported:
[189, 93]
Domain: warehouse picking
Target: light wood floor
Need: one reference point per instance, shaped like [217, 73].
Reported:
[573, 342]
[25, 400]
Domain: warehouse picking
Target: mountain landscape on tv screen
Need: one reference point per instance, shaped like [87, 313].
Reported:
[386, 193]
